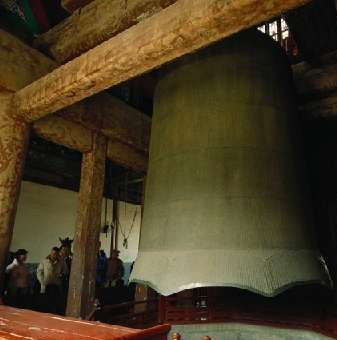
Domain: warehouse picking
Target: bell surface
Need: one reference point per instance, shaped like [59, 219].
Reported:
[226, 202]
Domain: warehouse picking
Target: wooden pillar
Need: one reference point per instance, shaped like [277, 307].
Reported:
[14, 135]
[114, 231]
[83, 270]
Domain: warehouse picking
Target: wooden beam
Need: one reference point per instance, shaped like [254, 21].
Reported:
[181, 28]
[73, 5]
[14, 135]
[20, 65]
[113, 118]
[136, 161]
[88, 222]
[62, 131]
[73, 135]
[93, 24]
[73, 126]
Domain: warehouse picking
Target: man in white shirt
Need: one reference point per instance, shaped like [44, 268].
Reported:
[49, 273]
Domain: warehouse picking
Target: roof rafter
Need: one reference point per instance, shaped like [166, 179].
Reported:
[93, 24]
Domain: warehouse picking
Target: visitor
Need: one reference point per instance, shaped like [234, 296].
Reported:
[49, 273]
[115, 271]
[65, 250]
[64, 255]
[18, 275]
[101, 268]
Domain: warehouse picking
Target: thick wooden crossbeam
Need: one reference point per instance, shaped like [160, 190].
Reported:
[112, 118]
[127, 130]
[136, 161]
[20, 64]
[64, 132]
[93, 24]
[74, 135]
[181, 28]
[74, 127]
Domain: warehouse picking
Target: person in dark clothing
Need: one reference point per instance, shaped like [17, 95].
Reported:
[64, 255]
[101, 268]
[115, 271]
[18, 279]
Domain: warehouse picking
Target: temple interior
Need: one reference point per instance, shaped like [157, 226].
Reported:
[168, 169]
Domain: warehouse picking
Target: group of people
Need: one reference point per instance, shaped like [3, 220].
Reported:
[51, 287]
[109, 271]
[53, 277]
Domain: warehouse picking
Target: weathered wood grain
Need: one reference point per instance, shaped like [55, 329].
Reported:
[64, 132]
[113, 118]
[88, 222]
[78, 137]
[136, 161]
[181, 28]
[93, 24]
[14, 136]
[20, 64]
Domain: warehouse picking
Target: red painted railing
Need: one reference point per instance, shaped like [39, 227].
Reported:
[25, 324]
[296, 310]
[140, 314]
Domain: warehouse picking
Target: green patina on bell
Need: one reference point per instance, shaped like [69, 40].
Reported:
[226, 202]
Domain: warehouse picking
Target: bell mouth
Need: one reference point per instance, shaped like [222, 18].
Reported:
[265, 272]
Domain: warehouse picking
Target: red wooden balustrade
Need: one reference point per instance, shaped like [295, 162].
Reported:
[28, 325]
[140, 314]
[208, 305]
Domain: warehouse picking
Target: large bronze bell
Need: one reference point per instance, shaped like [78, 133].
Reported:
[226, 202]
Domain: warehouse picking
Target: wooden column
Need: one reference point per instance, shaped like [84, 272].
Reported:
[83, 271]
[114, 232]
[13, 146]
